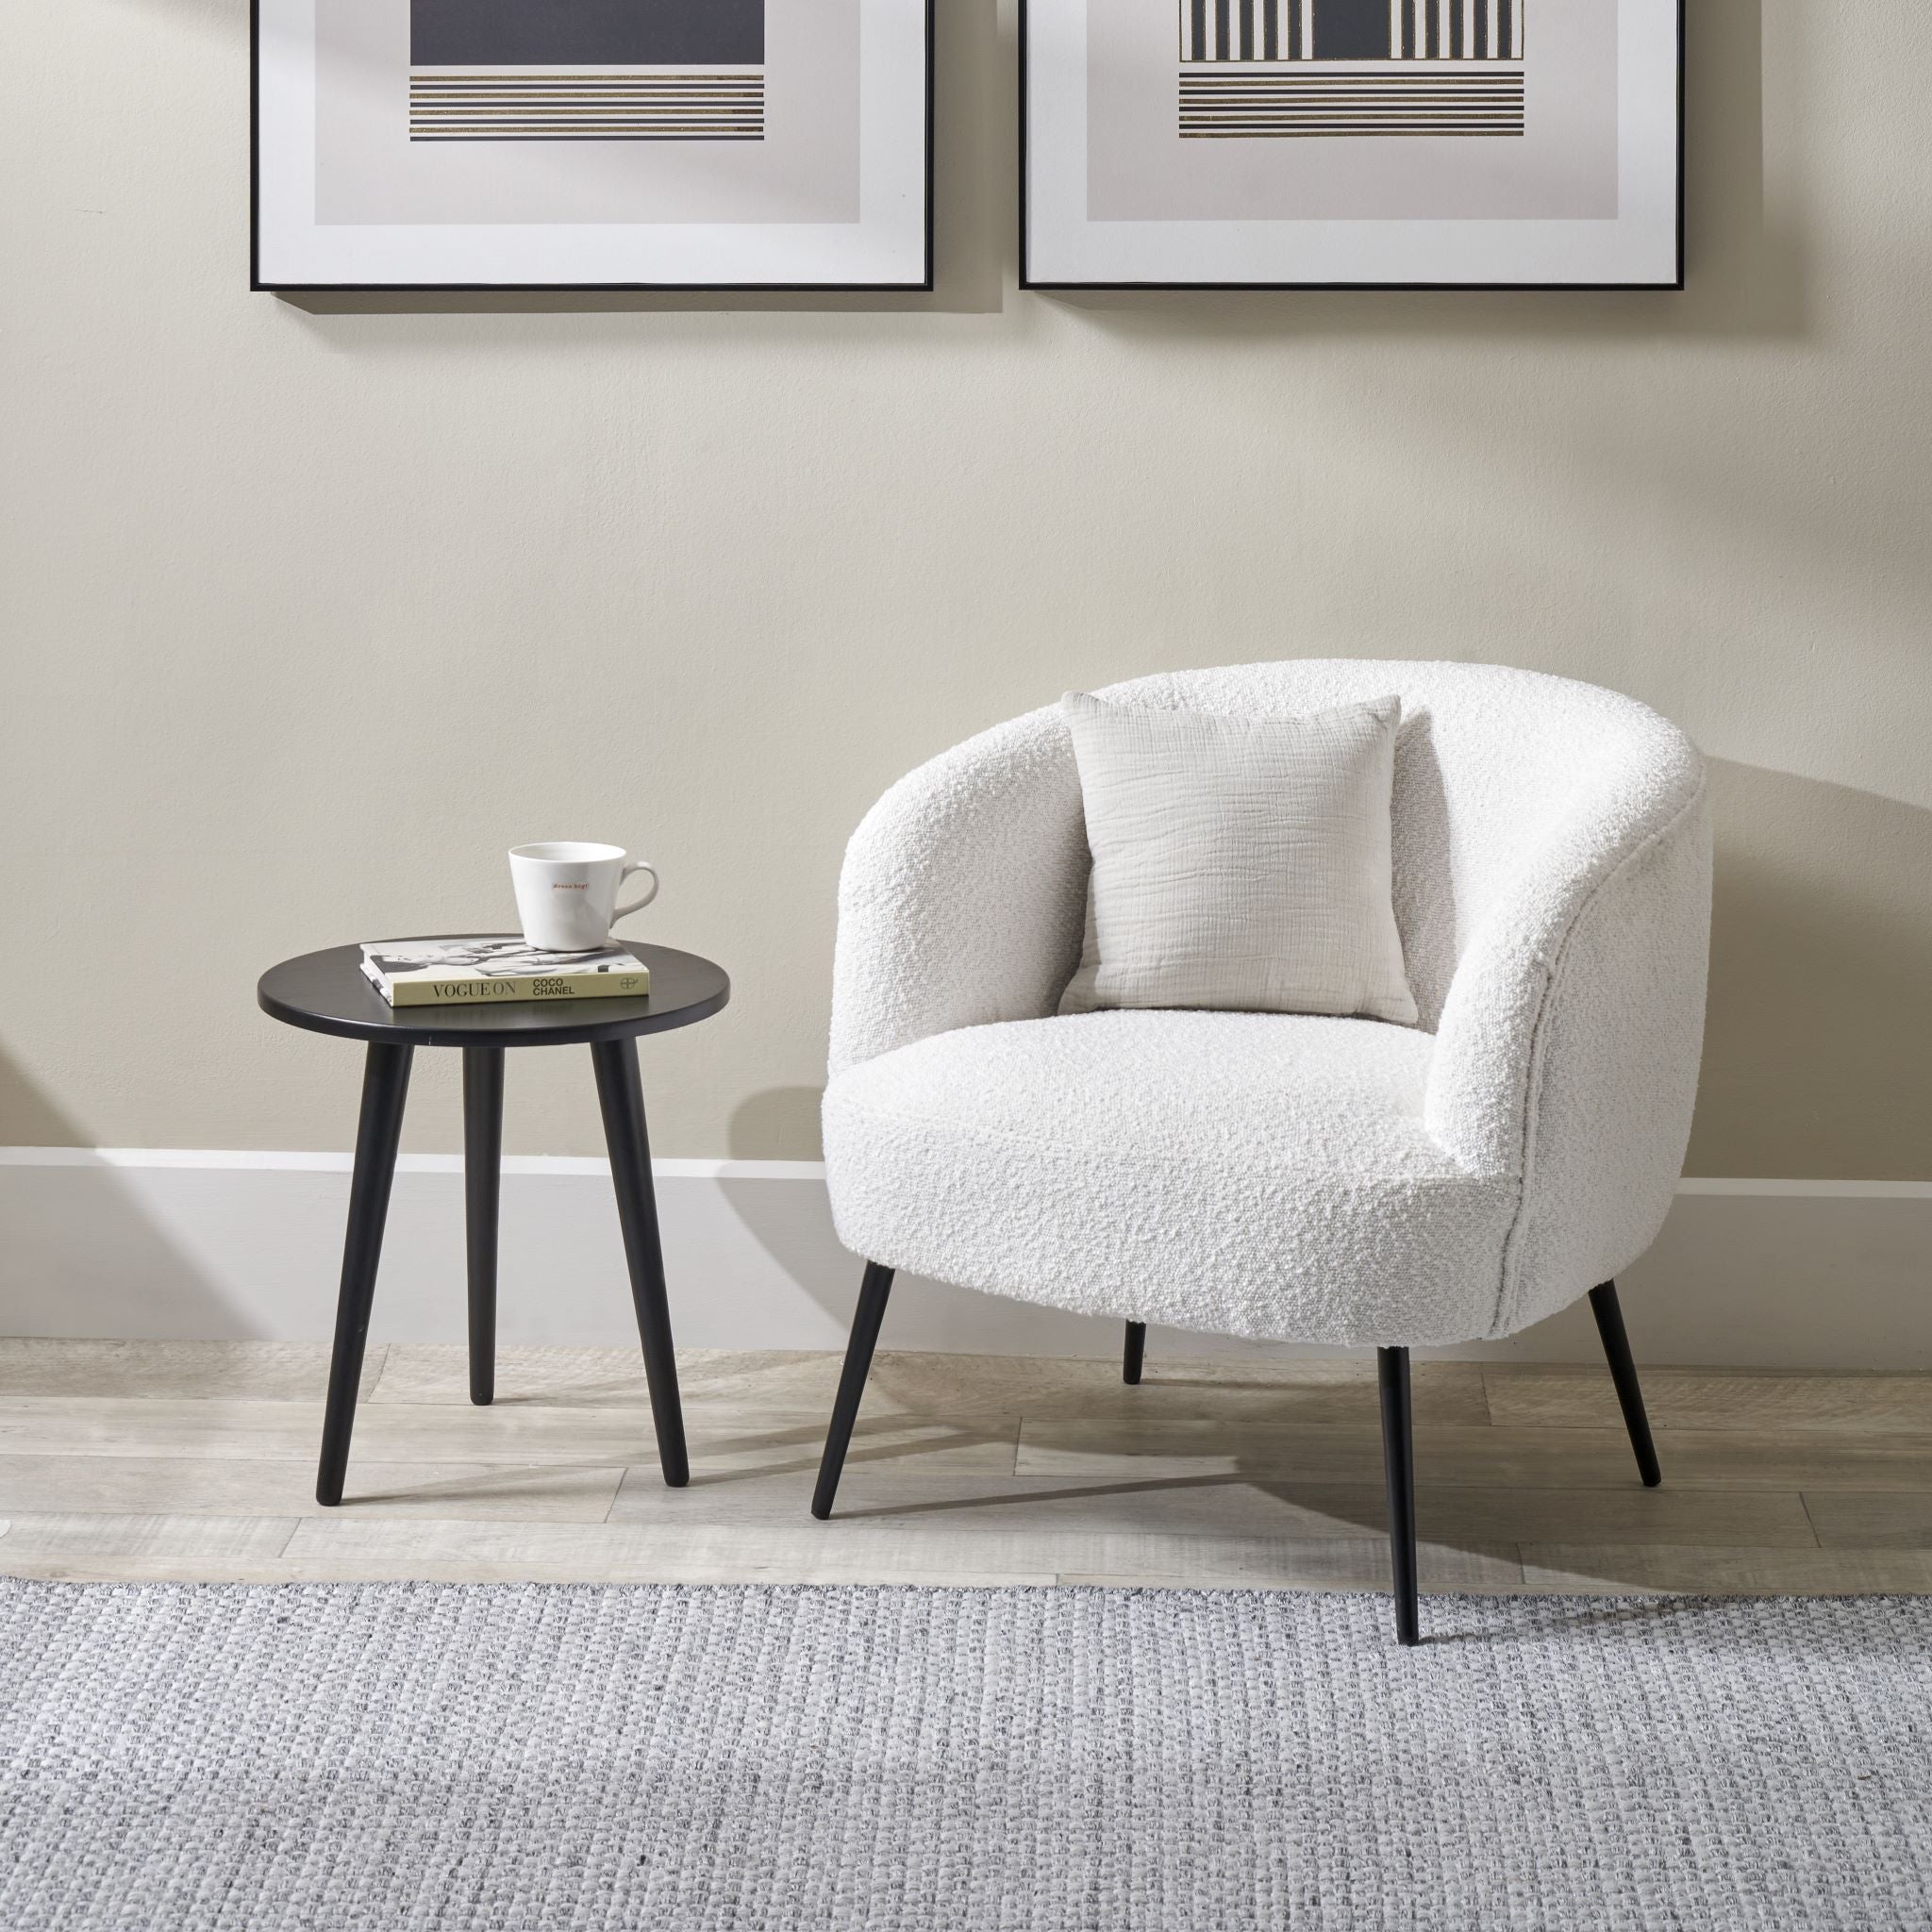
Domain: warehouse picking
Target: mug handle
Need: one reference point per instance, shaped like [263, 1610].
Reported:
[636, 905]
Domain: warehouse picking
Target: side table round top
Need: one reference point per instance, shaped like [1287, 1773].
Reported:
[327, 992]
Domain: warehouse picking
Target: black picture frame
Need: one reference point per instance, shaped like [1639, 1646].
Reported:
[1675, 285]
[257, 286]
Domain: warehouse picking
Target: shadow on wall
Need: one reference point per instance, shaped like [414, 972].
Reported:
[790, 1223]
[133, 1267]
[1817, 1062]
[975, 184]
[1818, 1044]
[1744, 272]
[779, 1124]
[1746, 269]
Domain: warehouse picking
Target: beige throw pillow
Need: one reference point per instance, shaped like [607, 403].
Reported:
[1239, 863]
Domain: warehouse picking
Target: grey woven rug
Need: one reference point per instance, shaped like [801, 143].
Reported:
[562, 1757]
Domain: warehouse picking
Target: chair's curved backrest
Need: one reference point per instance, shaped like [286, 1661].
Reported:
[1490, 764]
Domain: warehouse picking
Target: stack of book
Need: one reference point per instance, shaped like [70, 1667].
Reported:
[489, 969]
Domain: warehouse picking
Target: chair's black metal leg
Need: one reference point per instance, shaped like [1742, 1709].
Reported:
[1609, 1324]
[385, 1086]
[621, 1097]
[1134, 1353]
[866, 1320]
[1398, 1462]
[482, 1187]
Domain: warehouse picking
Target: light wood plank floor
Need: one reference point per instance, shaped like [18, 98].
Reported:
[195, 1461]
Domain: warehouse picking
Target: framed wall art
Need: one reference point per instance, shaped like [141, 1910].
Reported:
[593, 143]
[1351, 144]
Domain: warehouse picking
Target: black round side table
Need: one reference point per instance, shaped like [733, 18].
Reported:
[327, 992]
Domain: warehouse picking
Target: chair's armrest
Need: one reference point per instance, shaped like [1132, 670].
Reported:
[1567, 1052]
[963, 893]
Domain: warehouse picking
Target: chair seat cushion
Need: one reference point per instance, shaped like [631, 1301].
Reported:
[1257, 1175]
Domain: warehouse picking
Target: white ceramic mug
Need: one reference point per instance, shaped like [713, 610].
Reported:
[566, 893]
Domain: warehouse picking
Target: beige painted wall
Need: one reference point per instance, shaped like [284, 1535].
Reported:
[309, 612]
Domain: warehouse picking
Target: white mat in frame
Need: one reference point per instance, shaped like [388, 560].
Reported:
[1116, 192]
[834, 193]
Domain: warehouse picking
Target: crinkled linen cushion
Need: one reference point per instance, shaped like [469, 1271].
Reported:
[1215, 1171]
[1240, 864]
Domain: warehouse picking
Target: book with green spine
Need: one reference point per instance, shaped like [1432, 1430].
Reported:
[492, 969]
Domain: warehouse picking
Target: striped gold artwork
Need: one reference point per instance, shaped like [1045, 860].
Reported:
[678, 104]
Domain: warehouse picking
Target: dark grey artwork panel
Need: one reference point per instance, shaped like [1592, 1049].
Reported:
[1268, 31]
[1353, 31]
[590, 33]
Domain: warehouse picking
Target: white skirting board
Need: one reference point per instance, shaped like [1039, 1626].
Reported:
[158, 1243]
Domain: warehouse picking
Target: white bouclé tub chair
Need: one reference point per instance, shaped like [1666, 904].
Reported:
[1269, 1176]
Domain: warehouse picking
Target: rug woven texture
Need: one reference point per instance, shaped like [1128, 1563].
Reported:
[552, 1759]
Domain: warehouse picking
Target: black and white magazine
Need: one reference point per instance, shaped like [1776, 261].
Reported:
[486, 968]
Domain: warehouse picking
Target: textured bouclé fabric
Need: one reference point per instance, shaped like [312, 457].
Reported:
[1265, 1175]
[1056, 1160]
[1239, 864]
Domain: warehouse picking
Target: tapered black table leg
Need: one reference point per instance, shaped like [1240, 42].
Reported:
[385, 1086]
[482, 1189]
[866, 1320]
[1134, 1353]
[1609, 1325]
[621, 1097]
[1398, 1462]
